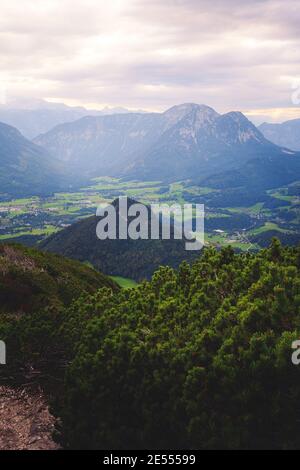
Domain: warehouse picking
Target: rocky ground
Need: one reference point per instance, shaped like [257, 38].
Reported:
[25, 421]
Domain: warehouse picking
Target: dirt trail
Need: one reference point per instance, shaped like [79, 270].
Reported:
[25, 421]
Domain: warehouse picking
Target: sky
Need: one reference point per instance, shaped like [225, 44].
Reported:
[153, 54]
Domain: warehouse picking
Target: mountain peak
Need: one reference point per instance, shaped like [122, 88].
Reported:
[199, 112]
[238, 128]
[238, 116]
[186, 140]
[186, 108]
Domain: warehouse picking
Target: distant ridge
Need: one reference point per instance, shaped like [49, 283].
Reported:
[188, 141]
[34, 117]
[26, 168]
[286, 134]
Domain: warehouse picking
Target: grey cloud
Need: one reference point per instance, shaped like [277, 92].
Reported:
[152, 54]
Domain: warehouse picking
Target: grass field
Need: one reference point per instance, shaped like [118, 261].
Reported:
[124, 282]
[43, 216]
[265, 228]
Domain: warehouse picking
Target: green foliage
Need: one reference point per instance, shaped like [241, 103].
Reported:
[34, 289]
[133, 259]
[124, 282]
[198, 358]
[31, 280]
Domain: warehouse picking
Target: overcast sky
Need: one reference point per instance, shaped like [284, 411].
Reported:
[152, 54]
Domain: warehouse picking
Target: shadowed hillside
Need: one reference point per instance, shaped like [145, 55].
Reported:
[31, 280]
[134, 259]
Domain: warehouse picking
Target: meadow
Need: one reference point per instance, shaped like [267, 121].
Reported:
[35, 218]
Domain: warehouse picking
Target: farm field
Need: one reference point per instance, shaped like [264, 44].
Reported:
[243, 227]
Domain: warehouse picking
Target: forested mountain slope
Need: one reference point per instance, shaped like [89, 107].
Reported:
[135, 259]
[31, 280]
[198, 358]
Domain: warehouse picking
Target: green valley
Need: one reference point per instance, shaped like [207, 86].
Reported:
[32, 219]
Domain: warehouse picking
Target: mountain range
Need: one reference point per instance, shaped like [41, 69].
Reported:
[26, 168]
[286, 134]
[34, 117]
[188, 141]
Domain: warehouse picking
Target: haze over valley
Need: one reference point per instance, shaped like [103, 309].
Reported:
[189, 153]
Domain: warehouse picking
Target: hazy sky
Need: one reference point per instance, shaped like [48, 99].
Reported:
[152, 54]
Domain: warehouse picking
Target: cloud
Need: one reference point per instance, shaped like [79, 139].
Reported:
[152, 54]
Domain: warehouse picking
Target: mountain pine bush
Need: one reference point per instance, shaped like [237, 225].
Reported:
[196, 358]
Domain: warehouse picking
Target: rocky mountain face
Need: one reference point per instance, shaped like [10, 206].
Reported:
[199, 142]
[186, 141]
[98, 145]
[26, 168]
[286, 134]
